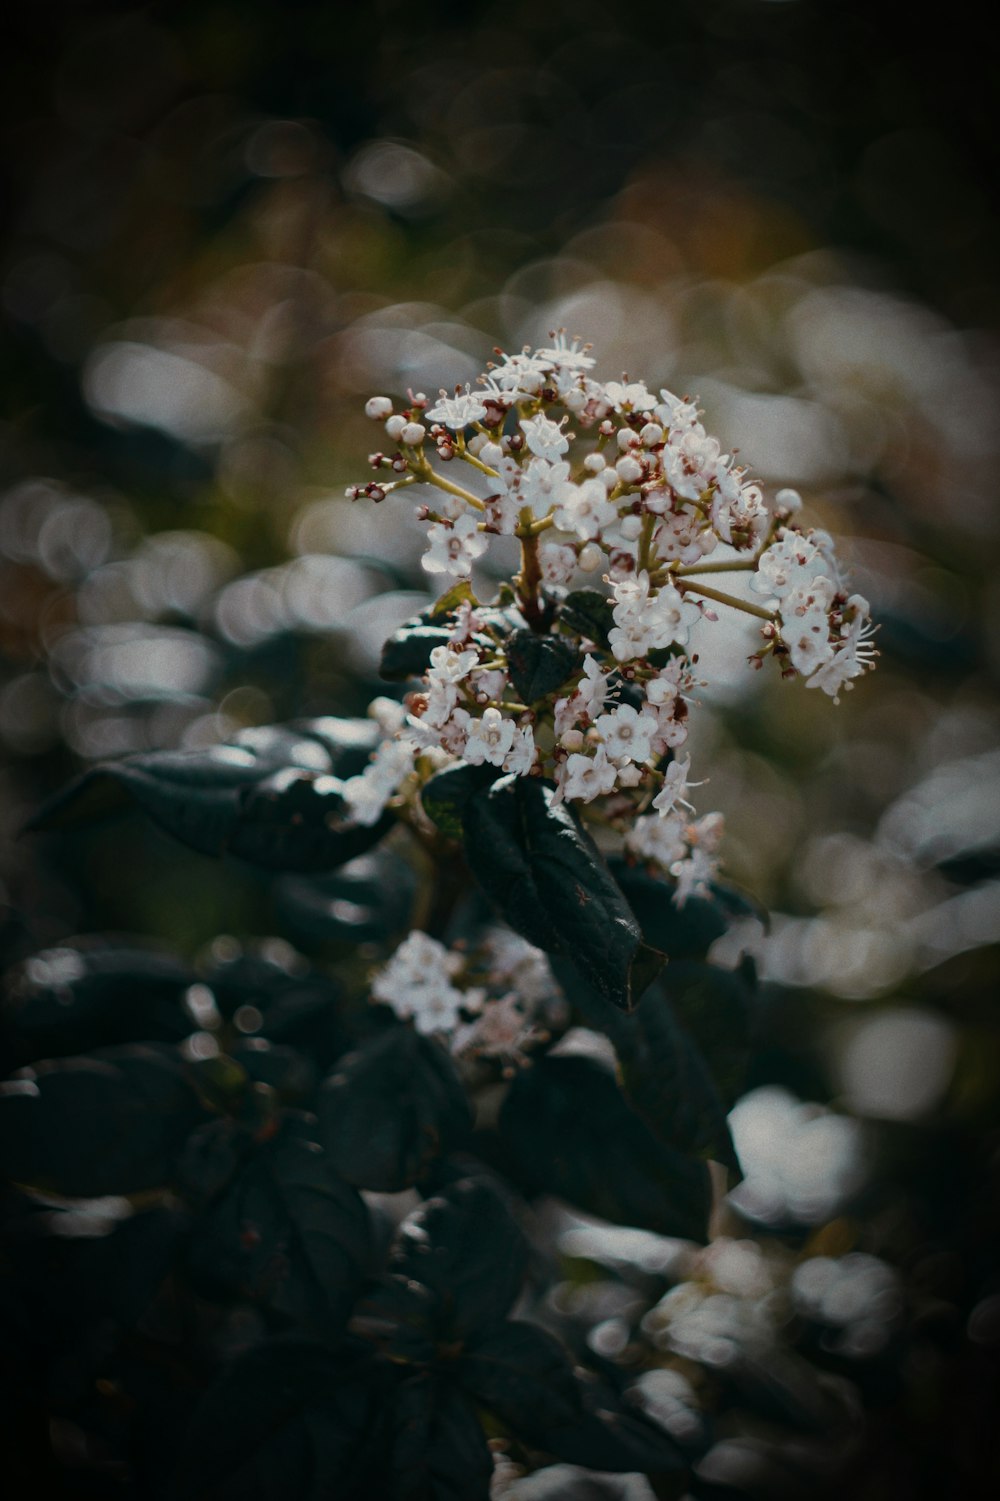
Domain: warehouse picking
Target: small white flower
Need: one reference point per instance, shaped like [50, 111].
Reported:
[545, 438]
[458, 411]
[675, 414]
[629, 396]
[658, 839]
[587, 777]
[522, 374]
[675, 785]
[489, 739]
[566, 356]
[627, 734]
[378, 408]
[521, 756]
[367, 794]
[449, 665]
[585, 510]
[416, 983]
[544, 485]
[454, 549]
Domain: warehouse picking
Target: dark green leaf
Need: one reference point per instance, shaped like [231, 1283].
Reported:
[465, 1246]
[399, 1316]
[286, 1233]
[444, 797]
[389, 1108]
[287, 1419]
[439, 1451]
[109, 1123]
[407, 653]
[715, 1007]
[368, 898]
[681, 932]
[64, 1001]
[550, 883]
[268, 798]
[668, 1083]
[588, 613]
[522, 1374]
[297, 821]
[349, 743]
[539, 665]
[193, 794]
[567, 1130]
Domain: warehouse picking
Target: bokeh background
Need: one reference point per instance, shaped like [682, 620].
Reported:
[231, 223]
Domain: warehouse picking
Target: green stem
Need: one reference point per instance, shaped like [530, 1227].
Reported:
[732, 567]
[729, 599]
[431, 477]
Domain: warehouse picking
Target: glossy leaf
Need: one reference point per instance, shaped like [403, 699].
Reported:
[297, 821]
[446, 794]
[681, 932]
[64, 1001]
[547, 878]
[286, 1233]
[668, 1082]
[465, 1246]
[389, 1108]
[566, 1129]
[368, 898]
[108, 1123]
[538, 665]
[716, 1008]
[588, 613]
[268, 798]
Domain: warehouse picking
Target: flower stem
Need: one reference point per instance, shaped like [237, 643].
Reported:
[431, 476]
[728, 599]
[528, 581]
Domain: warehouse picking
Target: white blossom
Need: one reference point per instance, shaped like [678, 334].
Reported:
[675, 785]
[544, 437]
[627, 734]
[417, 984]
[367, 793]
[521, 756]
[454, 549]
[587, 777]
[489, 739]
[458, 411]
[585, 509]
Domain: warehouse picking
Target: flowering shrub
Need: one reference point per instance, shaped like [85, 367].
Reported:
[310, 1184]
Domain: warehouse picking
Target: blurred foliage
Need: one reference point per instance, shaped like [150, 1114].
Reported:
[232, 223]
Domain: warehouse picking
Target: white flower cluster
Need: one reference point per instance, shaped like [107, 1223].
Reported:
[825, 632]
[610, 479]
[432, 986]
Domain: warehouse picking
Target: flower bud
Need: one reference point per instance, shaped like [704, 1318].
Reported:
[590, 558]
[378, 408]
[627, 439]
[594, 462]
[651, 434]
[394, 426]
[630, 527]
[788, 500]
[629, 470]
[572, 740]
[413, 434]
